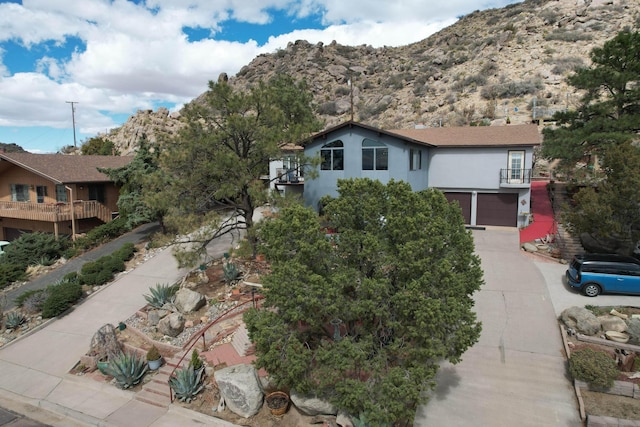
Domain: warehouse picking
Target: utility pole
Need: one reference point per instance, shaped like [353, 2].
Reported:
[73, 118]
[350, 83]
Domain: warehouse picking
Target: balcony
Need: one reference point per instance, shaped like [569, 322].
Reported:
[55, 212]
[515, 178]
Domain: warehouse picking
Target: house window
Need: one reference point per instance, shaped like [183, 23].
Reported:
[375, 155]
[332, 155]
[415, 159]
[516, 167]
[96, 192]
[61, 194]
[19, 193]
[41, 193]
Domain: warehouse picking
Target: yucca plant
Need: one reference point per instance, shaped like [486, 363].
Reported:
[127, 369]
[161, 294]
[14, 319]
[187, 383]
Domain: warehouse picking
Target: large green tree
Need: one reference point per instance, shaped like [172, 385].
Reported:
[139, 183]
[610, 213]
[217, 162]
[609, 111]
[365, 318]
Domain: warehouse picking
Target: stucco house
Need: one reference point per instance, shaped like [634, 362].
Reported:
[55, 193]
[486, 169]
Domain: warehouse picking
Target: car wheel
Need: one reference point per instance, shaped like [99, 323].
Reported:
[591, 290]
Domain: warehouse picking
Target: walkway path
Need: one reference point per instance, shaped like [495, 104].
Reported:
[543, 223]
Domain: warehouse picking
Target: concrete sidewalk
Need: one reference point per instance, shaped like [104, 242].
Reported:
[34, 369]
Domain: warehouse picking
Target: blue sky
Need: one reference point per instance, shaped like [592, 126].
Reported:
[114, 57]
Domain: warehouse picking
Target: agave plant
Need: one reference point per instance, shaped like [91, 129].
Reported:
[14, 319]
[230, 271]
[161, 295]
[127, 369]
[187, 383]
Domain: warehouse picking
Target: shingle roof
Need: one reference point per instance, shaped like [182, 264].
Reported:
[476, 136]
[64, 169]
[461, 136]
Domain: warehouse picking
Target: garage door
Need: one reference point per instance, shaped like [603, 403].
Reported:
[464, 200]
[497, 209]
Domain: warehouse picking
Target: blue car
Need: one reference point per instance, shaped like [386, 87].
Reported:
[594, 274]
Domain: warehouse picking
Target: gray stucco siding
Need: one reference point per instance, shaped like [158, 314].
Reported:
[398, 163]
[477, 168]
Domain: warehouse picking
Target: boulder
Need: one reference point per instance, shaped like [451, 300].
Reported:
[581, 319]
[634, 331]
[104, 343]
[172, 325]
[529, 247]
[312, 405]
[240, 388]
[344, 420]
[612, 323]
[188, 301]
[154, 316]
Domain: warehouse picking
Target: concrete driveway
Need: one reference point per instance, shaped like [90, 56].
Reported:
[563, 296]
[515, 374]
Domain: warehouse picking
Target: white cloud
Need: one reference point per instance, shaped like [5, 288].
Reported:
[136, 55]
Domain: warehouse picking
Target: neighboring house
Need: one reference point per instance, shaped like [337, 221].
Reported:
[55, 193]
[486, 169]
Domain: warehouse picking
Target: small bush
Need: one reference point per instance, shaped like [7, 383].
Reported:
[61, 297]
[126, 252]
[10, 273]
[33, 304]
[596, 368]
[31, 248]
[103, 233]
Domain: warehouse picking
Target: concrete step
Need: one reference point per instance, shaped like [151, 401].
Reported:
[241, 341]
[159, 388]
[155, 399]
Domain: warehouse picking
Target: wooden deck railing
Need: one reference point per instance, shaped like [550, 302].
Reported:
[55, 212]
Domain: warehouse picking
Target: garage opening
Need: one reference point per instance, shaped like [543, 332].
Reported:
[497, 209]
[464, 200]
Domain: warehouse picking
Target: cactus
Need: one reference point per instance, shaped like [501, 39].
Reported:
[187, 383]
[161, 295]
[14, 319]
[127, 369]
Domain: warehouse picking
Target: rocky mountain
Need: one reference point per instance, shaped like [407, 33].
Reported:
[491, 67]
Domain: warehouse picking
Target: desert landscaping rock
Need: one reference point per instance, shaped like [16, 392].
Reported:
[172, 325]
[104, 344]
[311, 405]
[529, 247]
[581, 320]
[612, 323]
[240, 388]
[188, 301]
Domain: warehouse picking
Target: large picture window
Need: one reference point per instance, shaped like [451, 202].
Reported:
[332, 155]
[19, 193]
[375, 155]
